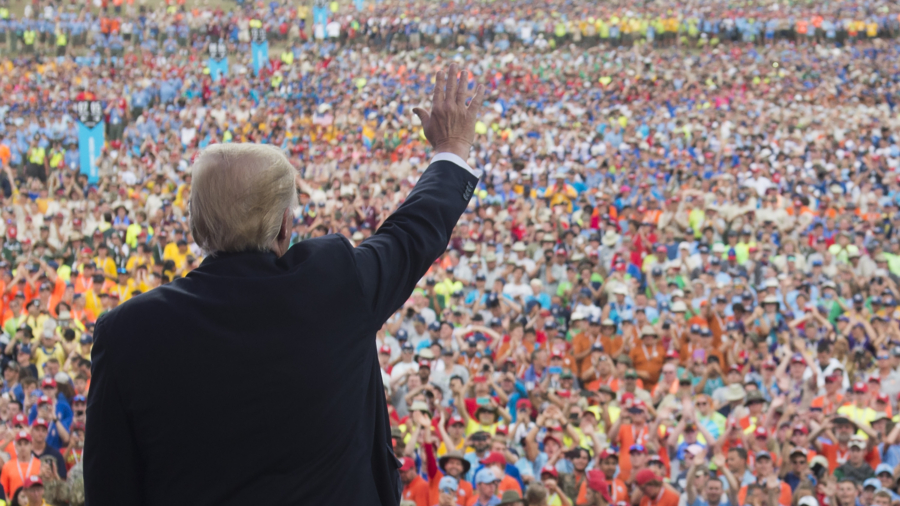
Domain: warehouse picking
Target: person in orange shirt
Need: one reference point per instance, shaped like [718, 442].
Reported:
[833, 399]
[415, 489]
[765, 473]
[455, 467]
[582, 340]
[615, 488]
[612, 342]
[627, 435]
[648, 357]
[654, 493]
[18, 469]
[5, 153]
[496, 463]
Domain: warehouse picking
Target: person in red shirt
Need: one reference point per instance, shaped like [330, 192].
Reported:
[652, 490]
[415, 489]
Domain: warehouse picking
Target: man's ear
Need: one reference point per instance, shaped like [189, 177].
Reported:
[286, 220]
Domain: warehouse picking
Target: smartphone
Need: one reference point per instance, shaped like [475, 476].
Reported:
[554, 369]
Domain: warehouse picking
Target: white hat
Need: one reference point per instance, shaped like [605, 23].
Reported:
[677, 293]
[771, 283]
[610, 238]
[620, 290]
[469, 246]
[718, 248]
[578, 315]
[519, 246]
[679, 307]
[808, 501]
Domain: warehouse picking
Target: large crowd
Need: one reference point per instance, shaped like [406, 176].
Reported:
[677, 283]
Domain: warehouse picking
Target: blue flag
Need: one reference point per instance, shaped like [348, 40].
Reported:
[90, 144]
[260, 52]
[320, 15]
[219, 68]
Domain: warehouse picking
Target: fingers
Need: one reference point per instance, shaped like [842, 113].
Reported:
[476, 104]
[462, 89]
[422, 114]
[439, 83]
[452, 82]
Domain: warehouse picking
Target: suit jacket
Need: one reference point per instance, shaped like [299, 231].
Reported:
[255, 378]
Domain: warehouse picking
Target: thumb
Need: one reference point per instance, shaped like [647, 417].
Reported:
[422, 114]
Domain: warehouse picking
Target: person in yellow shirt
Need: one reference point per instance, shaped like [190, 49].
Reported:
[105, 264]
[178, 253]
[141, 256]
[92, 300]
[49, 348]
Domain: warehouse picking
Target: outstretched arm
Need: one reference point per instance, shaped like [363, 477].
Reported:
[391, 262]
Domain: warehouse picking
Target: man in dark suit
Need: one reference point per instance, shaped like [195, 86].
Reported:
[288, 335]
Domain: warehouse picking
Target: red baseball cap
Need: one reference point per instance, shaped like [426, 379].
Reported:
[407, 463]
[385, 350]
[672, 354]
[761, 433]
[550, 470]
[550, 437]
[883, 398]
[424, 363]
[860, 388]
[44, 400]
[523, 403]
[495, 458]
[33, 481]
[609, 452]
[803, 429]
[596, 480]
[20, 419]
[645, 476]
[40, 422]
[455, 419]
[23, 435]
[875, 379]
[556, 354]
[48, 383]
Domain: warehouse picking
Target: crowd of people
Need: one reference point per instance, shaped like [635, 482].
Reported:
[676, 284]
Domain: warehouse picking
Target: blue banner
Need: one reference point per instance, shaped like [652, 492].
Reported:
[359, 5]
[320, 15]
[90, 144]
[218, 68]
[260, 52]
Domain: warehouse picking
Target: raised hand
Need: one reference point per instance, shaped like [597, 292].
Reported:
[450, 125]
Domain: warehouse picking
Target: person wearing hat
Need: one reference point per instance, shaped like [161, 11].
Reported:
[21, 465]
[511, 498]
[767, 477]
[40, 447]
[843, 428]
[648, 357]
[496, 462]
[452, 465]
[34, 490]
[447, 489]
[486, 489]
[415, 489]
[654, 492]
[798, 459]
[885, 474]
[857, 408]
[631, 430]
[856, 468]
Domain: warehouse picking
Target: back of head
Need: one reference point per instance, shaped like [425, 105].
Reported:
[238, 196]
[536, 495]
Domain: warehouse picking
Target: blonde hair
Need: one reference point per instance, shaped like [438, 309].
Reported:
[238, 197]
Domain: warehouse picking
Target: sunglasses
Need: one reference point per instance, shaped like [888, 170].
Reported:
[448, 491]
[798, 462]
[699, 404]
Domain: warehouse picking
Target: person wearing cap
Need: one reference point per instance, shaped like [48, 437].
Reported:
[858, 407]
[885, 474]
[406, 366]
[447, 489]
[415, 489]
[49, 347]
[843, 428]
[34, 490]
[856, 468]
[21, 466]
[549, 478]
[612, 485]
[486, 489]
[75, 452]
[631, 430]
[653, 490]
[798, 457]
[767, 477]
[41, 448]
[648, 357]
[497, 462]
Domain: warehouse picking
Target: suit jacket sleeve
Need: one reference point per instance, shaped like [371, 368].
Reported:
[110, 438]
[391, 262]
